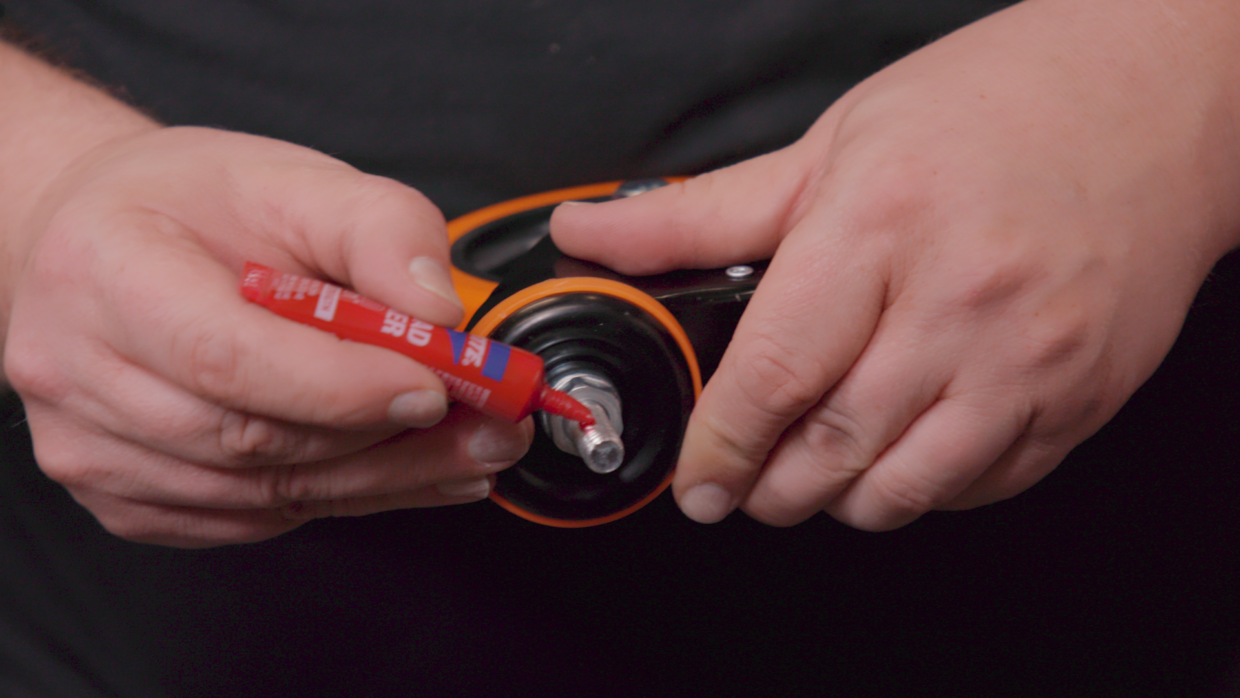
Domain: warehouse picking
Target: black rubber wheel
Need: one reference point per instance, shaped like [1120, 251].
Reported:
[645, 364]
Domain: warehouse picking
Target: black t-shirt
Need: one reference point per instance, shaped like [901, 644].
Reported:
[475, 101]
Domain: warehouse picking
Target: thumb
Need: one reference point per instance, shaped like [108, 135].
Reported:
[388, 242]
[382, 238]
[736, 214]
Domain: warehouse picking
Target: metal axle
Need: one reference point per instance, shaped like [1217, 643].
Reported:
[599, 444]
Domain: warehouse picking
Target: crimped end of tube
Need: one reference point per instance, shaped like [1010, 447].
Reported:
[254, 281]
[555, 402]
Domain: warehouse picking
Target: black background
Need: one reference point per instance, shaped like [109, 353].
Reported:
[1117, 575]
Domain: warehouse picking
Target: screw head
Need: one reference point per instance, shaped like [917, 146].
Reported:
[738, 272]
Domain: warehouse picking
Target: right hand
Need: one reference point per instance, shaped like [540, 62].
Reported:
[977, 255]
[180, 414]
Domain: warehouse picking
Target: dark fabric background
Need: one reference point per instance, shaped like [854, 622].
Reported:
[1115, 576]
[477, 101]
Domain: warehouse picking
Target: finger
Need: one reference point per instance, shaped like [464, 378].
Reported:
[807, 323]
[183, 318]
[937, 458]
[468, 445]
[443, 494]
[136, 406]
[183, 527]
[295, 206]
[1028, 461]
[385, 240]
[1048, 439]
[893, 381]
[737, 214]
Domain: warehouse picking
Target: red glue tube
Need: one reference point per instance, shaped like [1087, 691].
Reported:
[496, 379]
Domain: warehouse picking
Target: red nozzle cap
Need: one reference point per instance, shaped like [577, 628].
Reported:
[563, 404]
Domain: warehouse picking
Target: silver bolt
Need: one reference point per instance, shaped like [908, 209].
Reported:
[738, 272]
[599, 444]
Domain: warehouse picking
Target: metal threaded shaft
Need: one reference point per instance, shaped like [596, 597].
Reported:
[598, 444]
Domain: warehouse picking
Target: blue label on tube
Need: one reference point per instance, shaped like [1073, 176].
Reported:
[497, 362]
[458, 345]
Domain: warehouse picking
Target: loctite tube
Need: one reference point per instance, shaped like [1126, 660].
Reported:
[497, 379]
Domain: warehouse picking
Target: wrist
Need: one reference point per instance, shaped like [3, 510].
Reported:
[1151, 94]
[1178, 67]
[1203, 53]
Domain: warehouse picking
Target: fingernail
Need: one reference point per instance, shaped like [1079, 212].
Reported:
[476, 488]
[576, 203]
[432, 276]
[418, 408]
[706, 503]
[496, 444]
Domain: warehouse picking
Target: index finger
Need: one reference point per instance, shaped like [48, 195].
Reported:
[808, 321]
[736, 214]
[184, 318]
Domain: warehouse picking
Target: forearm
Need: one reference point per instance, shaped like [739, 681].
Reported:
[47, 120]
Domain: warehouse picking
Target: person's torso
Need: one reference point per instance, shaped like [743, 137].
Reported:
[474, 101]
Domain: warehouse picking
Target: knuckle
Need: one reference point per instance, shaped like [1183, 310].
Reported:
[729, 440]
[388, 195]
[217, 365]
[831, 452]
[247, 439]
[1051, 342]
[64, 463]
[778, 381]
[987, 280]
[33, 371]
[904, 497]
[841, 444]
[281, 485]
[302, 484]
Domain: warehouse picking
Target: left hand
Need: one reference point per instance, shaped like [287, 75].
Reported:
[180, 414]
[978, 255]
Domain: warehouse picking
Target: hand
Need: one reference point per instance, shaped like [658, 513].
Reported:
[978, 255]
[180, 414]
